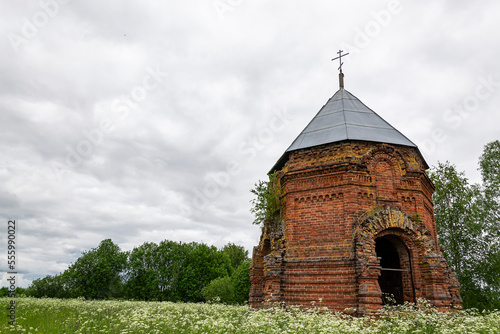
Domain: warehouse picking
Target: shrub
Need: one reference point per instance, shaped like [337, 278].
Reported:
[220, 289]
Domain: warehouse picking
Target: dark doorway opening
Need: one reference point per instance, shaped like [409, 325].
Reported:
[391, 274]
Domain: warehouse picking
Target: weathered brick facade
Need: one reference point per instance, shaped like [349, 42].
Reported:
[357, 220]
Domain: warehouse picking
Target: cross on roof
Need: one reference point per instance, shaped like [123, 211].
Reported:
[340, 59]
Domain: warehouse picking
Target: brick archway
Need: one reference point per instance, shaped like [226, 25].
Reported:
[409, 239]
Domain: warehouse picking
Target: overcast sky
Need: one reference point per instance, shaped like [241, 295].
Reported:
[151, 120]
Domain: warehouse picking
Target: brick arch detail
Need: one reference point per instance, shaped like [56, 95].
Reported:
[386, 153]
[372, 224]
[386, 169]
[384, 222]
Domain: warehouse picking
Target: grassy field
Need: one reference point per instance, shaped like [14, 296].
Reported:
[80, 316]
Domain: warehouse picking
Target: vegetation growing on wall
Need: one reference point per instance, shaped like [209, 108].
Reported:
[268, 202]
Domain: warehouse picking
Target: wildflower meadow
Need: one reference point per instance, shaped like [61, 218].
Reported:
[48, 315]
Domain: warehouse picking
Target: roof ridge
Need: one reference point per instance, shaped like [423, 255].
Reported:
[383, 119]
[343, 112]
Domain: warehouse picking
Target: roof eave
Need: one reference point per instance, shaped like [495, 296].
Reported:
[284, 157]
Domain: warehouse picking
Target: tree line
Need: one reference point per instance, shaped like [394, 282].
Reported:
[168, 271]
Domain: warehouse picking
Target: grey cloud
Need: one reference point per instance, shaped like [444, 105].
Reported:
[226, 79]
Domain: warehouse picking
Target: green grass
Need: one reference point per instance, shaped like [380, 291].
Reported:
[81, 316]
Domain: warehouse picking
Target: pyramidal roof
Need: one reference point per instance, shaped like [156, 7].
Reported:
[345, 117]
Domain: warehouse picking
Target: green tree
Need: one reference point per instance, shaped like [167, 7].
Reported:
[21, 291]
[170, 258]
[489, 165]
[201, 266]
[220, 289]
[230, 289]
[237, 254]
[457, 212]
[466, 235]
[4, 291]
[142, 277]
[49, 286]
[96, 274]
[241, 282]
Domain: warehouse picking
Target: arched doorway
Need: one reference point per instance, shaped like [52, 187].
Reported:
[395, 278]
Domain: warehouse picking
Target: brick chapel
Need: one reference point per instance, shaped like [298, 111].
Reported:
[357, 220]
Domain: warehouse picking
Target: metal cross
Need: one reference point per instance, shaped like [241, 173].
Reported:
[340, 59]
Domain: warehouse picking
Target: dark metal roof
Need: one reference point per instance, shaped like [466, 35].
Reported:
[345, 117]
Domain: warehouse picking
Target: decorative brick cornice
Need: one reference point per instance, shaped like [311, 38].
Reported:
[320, 198]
